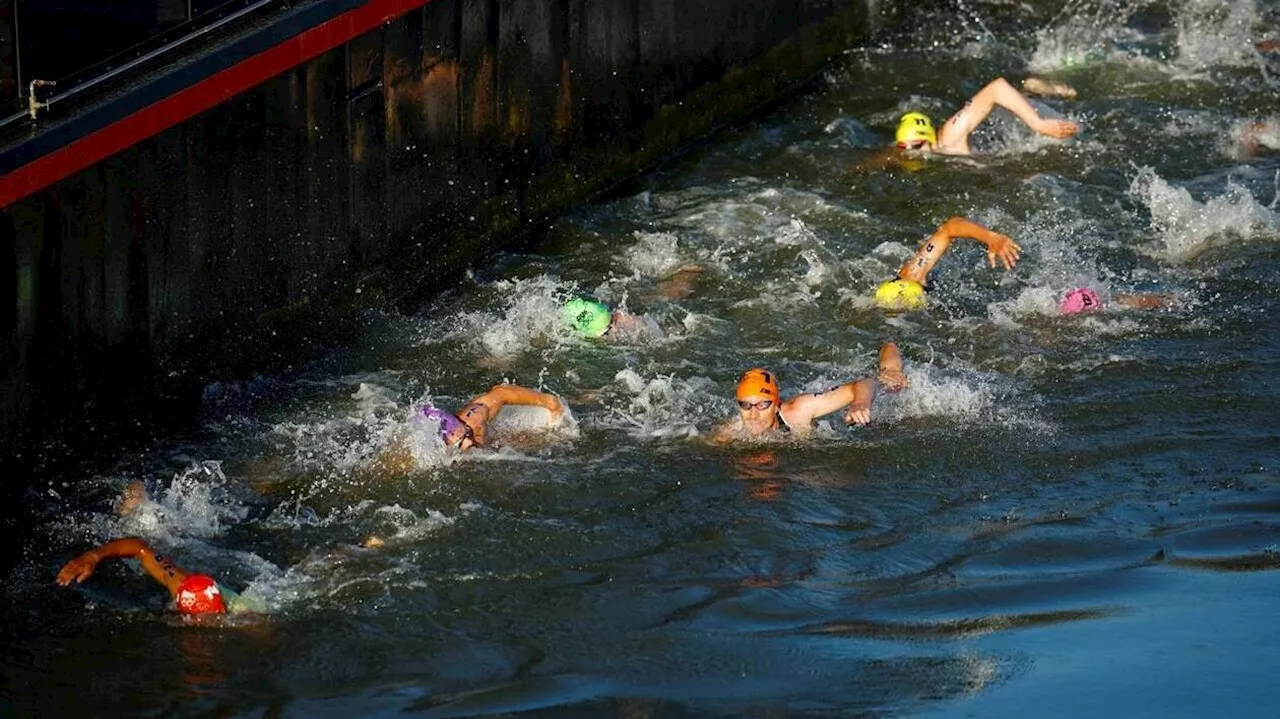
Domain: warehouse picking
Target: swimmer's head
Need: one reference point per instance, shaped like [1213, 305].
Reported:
[758, 400]
[588, 318]
[1081, 299]
[913, 129]
[900, 294]
[199, 594]
[452, 430]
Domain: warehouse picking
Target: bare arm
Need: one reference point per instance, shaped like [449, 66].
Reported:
[890, 374]
[953, 137]
[803, 409]
[481, 410]
[918, 266]
[159, 568]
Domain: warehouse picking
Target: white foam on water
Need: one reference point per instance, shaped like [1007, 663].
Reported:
[661, 406]
[654, 255]
[1215, 33]
[1188, 227]
[528, 314]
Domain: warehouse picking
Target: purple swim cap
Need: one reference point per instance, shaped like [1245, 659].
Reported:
[1081, 299]
[446, 420]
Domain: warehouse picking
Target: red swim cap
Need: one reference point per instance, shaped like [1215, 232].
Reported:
[198, 594]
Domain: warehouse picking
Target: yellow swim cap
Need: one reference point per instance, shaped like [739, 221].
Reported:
[900, 295]
[915, 127]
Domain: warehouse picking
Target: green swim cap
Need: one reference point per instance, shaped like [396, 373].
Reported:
[588, 317]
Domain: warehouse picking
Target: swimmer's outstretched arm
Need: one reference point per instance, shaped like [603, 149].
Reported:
[159, 568]
[953, 137]
[481, 410]
[999, 246]
[803, 409]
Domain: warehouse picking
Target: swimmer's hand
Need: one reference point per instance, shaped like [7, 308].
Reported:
[892, 380]
[1058, 129]
[858, 413]
[1003, 248]
[78, 569]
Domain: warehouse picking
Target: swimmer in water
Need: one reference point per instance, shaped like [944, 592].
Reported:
[192, 593]
[916, 132]
[594, 320]
[467, 427]
[908, 291]
[762, 412]
[1083, 299]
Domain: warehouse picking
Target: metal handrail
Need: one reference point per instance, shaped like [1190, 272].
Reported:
[33, 107]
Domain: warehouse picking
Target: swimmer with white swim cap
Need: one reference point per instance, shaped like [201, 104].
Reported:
[762, 412]
[909, 290]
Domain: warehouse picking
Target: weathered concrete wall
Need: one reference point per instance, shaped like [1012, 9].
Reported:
[250, 234]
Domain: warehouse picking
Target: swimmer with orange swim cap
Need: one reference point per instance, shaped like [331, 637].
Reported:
[762, 412]
[192, 593]
[916, 131]
[908, 291]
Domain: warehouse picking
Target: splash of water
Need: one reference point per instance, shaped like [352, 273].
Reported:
[1188, 227]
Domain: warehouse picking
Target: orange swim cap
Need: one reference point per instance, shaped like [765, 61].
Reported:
[758, 383]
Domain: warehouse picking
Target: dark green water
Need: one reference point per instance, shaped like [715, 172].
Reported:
[1062, 516]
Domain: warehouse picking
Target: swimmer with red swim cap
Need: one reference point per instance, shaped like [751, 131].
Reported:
[762, 412]
[908, 290]
[192, 593]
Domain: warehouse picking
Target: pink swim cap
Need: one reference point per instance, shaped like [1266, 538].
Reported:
[1081, 299]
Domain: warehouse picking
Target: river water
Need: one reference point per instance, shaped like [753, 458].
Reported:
[1061, 516]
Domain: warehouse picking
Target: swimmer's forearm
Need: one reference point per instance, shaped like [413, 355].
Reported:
[919, 265]
[515, 394]
[1008, 97]
[156, 566]
[890, 358]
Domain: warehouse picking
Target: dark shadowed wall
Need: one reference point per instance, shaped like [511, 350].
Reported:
[252, 233]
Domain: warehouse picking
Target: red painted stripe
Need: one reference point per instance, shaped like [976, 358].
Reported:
[163, 114]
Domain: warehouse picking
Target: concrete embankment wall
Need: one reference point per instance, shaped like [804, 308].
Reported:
[252, 233]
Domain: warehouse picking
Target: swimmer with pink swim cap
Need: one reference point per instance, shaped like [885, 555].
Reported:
[1081, 299]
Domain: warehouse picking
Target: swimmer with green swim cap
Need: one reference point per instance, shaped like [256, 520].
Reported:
[908, 291]
[593, 319]
[588, 318]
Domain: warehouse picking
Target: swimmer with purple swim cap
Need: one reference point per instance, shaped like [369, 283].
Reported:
[466, 428]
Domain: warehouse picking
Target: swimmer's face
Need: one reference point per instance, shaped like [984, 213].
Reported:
[759, 413]
[460, 439]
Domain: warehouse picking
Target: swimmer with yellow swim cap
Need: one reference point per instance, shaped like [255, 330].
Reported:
[762, 412]
[909, 290]
[916, 131]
